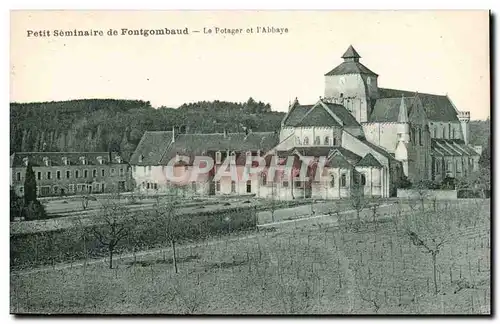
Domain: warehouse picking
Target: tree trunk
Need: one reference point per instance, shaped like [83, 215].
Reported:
[174, 258]
[434, 273]
[111, 256]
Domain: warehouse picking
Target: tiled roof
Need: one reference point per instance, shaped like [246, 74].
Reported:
[317, 117]
[369, 161]
[451, 147]
[437, 108]
[338, 160]
[151, 148]
[343, 114]
[56, 158]
[297, 112]
[379, 149]
[387, 109]
[204, 144]
[352, 157]
[351, 68]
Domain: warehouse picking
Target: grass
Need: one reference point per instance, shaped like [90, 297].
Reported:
[317, 270]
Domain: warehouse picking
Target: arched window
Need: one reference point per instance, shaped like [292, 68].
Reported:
[453, 133]
[343, 180]
[317, 140]
[297, 140]
[434, 131]
[334, 141]
[306, 140]
[420, 136]
[332, 182]
[444, 132]
[327, 140]
[449, 130]
[362, 179]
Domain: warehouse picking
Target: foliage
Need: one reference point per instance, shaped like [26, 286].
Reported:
[34, 210]
[16, 205]
[29, 185]
[118, 125]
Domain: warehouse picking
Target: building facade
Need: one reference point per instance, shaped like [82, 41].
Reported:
[70, 173]
[357, 136]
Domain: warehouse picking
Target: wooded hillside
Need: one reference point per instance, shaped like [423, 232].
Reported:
[105, 124]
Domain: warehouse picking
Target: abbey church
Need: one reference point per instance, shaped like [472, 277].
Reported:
[370, 136]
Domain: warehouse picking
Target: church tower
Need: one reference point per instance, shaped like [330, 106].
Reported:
[403, 133]
[353, 85]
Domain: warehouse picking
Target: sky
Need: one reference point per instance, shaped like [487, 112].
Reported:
[440, 52]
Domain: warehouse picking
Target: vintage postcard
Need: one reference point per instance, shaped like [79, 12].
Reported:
[250, 162]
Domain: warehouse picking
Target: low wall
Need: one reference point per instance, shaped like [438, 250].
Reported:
[429, 194]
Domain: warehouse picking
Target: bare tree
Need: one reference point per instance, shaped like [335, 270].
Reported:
[422, 189]
[374, 206]
[273, 203]
[430, 232]
[116, 226]
[169, 221]
[358, 201]
[369, 285]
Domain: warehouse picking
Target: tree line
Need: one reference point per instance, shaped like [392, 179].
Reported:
[118, 125]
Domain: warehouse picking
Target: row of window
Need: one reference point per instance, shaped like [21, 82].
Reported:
[72, 188]
[317, 141]
[414, 137]
[451, 132]
[68, 174]
[458, 166]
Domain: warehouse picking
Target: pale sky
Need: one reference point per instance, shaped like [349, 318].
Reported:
[441, 52]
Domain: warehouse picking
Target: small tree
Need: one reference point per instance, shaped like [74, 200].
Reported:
[358, 201]
[29, 185]
[115, 228]
[169, 222]
[374, 206]
[273, 203]
[422, 189]
[430, 232]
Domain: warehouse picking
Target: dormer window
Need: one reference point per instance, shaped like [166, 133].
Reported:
[46, 161]
[140, 158]
[25, 161]
[368, 80]
[248, 157]
[297, 140]
[118, 159]
[83, 160]
[218, 157]
[233, 157]
[99, 159]
[327, 140]
[65, 160]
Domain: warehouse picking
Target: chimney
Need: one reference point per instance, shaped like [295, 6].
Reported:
[173, 134]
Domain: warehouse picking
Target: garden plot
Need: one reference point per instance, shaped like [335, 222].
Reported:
[311, 270]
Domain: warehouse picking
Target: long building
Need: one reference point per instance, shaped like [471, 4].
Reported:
[70, 173]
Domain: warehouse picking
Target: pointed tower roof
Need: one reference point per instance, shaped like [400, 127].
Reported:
[351, 54]
[403, 112]
[351, 65]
